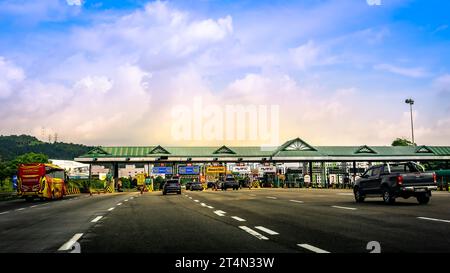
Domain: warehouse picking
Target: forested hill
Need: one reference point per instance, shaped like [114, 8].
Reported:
[12, 146]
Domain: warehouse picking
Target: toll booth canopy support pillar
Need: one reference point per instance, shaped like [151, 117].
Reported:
[90, 173]
[354, 171]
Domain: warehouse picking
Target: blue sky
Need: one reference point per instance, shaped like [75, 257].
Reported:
[339, 70]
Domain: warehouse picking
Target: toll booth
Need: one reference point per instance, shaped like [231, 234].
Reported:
[294, 178]
[242, 174]
[268, 176]
[189, 173]
[214, 174]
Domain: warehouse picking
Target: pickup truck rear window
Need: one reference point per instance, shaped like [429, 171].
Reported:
[404, 168]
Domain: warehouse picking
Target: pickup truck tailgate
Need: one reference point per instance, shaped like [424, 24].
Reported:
[418, 179]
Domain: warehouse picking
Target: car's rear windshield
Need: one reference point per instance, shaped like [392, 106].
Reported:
[172, 182]
[405, 167]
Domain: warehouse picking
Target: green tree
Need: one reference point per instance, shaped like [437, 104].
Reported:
[401, 142]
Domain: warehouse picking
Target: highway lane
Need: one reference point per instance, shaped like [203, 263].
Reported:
[252, 221]
[332, 219]
[44, 226]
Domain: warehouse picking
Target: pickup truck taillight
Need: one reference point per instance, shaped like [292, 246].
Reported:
[400, 180]
[434, 178]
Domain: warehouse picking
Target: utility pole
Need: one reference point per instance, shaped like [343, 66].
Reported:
[411, 102]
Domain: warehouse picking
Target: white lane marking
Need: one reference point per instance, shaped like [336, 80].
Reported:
[5, 212]
[338, 207]
[110, 209]
[196, 201]
[345, 193]
[96, 219]
[119, 204]
[190, 197]
[203, 204]
[220, 212]
[238, 219]
[20, 209]
[313, 248]
[296, 201]
[266, 230]
[271, 197]
[68, 245]
[434, 219]
[254, 233]
[126, 200]
[131, 197]
[210, 207]
[33, 206]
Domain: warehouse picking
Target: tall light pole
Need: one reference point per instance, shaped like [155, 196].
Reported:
[411, 102]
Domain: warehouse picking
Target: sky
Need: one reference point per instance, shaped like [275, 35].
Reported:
[103, 72]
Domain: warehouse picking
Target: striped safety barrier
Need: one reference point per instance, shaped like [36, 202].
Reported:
[109, 189]
[73, 191]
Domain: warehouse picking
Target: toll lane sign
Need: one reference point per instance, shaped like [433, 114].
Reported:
[215, 169]
[162, 170]
[189, 169]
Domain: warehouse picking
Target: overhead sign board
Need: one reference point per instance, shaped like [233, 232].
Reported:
[241, 169]
[215, 169]
[189, 170]
[162, 170]
[267, 169]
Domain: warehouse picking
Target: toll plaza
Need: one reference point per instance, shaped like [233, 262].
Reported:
[296, 163]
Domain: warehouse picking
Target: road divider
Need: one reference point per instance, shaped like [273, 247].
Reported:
[68, 245]
[434, 219]
[339, 207]
[253, 233]
[312, 248]
[266, 230]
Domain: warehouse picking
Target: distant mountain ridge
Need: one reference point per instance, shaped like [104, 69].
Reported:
[12, 146]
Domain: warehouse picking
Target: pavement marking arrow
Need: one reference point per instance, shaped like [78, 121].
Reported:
[68, 245]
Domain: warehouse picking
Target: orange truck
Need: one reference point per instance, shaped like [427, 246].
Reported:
[44, 181]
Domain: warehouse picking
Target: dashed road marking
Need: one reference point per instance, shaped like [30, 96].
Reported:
[110, 209]
[5, 212]
[297, 201]
[68, 245]
[238, 219]
[33, 206]
[345, 193]
[190, 197]
[210, 207]
[119, 204]
[313, 248]
[266, 230]
[196, 201]
[253, 232]
[20, 209]
[271, 197]
[203, 205]
[434, 219]
[126, 200]
[339, 207]
[96, 219]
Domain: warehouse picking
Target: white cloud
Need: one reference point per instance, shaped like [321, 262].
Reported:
[305, 55]
[10, 77]
[412, 72]
[74, 2]
[442, 83]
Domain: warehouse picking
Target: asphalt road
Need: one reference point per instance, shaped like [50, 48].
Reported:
[244, 221]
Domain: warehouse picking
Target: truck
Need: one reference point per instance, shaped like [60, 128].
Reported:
[393, 180]
[41, 180]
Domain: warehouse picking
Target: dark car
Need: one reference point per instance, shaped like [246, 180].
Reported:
[396, 180]
[172, 186]
[196, 186]
[188, 185]
[229, 183]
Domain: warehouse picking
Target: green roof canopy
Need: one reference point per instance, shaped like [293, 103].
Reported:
[293, 150]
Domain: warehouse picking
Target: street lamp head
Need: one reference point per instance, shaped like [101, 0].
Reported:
[409, 101]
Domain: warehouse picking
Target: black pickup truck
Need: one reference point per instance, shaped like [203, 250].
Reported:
[396, 180]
